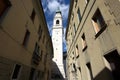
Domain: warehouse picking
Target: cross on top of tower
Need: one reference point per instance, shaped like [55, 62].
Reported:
[58, 10]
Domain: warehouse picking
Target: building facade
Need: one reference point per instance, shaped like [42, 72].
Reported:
[57, 40]
[25, 44]
[64, 62]
[93, 42]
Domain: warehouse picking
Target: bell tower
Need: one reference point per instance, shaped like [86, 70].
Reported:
[57, 39]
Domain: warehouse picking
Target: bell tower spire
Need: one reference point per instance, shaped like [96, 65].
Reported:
[57, 22]
[57, 39]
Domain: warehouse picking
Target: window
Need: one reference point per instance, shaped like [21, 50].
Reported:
[79, 15]
[79, 69]
[112, 63]
[87, 1]
[73, 55]
[45, 58]
[39, 32]
[33, 15]
[77, 51]
[43, 38]
[76, 0]
[37, 48]
[48, 78]
[74, 68]
[76, 3]
[36, 54]
[98, 22]
[26, 38]
[4, 4]
[57, 22]
[84, 45]
[71, 36]
[32, 74]
[89, 71]
[41, 75]
[74, 28]
[16, 71]
[41, 55]
[72, 16]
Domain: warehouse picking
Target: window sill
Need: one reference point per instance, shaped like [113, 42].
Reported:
[98, 34]
[84, 48]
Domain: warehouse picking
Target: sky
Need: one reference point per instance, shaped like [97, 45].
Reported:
[50, 7]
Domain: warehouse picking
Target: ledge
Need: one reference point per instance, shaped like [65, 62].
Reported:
[98, 34]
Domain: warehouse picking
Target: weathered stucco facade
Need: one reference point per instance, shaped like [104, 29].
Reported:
[25, 44]
[93, 42]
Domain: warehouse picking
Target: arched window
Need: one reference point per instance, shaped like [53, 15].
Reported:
[57, 22]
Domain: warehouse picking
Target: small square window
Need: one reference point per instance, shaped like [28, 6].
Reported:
[98, 23]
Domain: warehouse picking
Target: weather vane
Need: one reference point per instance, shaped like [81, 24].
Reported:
[58, 9]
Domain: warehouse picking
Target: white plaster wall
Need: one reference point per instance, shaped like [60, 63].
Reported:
[57, 39]
[57, 45]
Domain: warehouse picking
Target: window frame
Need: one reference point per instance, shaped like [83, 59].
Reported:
[37, 49]
[99, 26]
[18, 74]
[76, 1]
[77, 51]
[87, 1]
[6, 4]
[84, 43]
[33, 14]
[79, 15]
[72, 16]
[75, 28]
[26, 38]
[89, 71]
